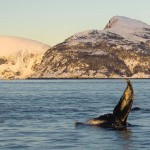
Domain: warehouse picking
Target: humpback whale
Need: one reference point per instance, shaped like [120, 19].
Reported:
[117, 119]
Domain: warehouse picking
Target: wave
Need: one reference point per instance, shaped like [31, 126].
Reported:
[145, 110]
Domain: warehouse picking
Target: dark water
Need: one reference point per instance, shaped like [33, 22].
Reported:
[40, 114]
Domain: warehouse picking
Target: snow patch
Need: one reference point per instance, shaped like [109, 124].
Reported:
[131, 63]
[141, 75]
[99, 53]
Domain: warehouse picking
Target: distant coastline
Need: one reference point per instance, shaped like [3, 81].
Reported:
[81, 78]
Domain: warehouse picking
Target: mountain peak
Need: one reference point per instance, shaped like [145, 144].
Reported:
[120, 50]
[125, 22]
[11, 44]
[119, 26]
[131, 29]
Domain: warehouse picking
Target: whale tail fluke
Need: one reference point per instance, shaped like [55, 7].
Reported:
[123, 107]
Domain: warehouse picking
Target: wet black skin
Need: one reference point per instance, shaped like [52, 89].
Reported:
[117, 119]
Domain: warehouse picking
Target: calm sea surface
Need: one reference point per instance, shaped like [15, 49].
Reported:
[40, 114]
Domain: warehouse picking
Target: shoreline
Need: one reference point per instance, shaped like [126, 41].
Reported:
[81, 78]
[76, 79]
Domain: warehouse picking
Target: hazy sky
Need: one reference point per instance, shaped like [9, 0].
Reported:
[52, 21]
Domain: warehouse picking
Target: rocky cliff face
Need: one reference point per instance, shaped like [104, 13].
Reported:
[19, 57]
[122, 49]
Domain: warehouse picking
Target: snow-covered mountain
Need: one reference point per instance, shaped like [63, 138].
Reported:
[130, 29]
[121, 49]
[19, 57]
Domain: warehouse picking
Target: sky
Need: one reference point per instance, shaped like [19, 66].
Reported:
[53, 21]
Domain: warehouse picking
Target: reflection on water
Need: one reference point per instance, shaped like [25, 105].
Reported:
[126, 137]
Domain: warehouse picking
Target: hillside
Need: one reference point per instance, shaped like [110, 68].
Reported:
[121, 49]
[19, 57]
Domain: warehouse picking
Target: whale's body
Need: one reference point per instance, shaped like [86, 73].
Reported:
[117, 119]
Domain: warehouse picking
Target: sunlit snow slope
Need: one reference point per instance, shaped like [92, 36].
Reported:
[19, 57]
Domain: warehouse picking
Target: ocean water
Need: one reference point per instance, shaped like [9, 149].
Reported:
[40, 114]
